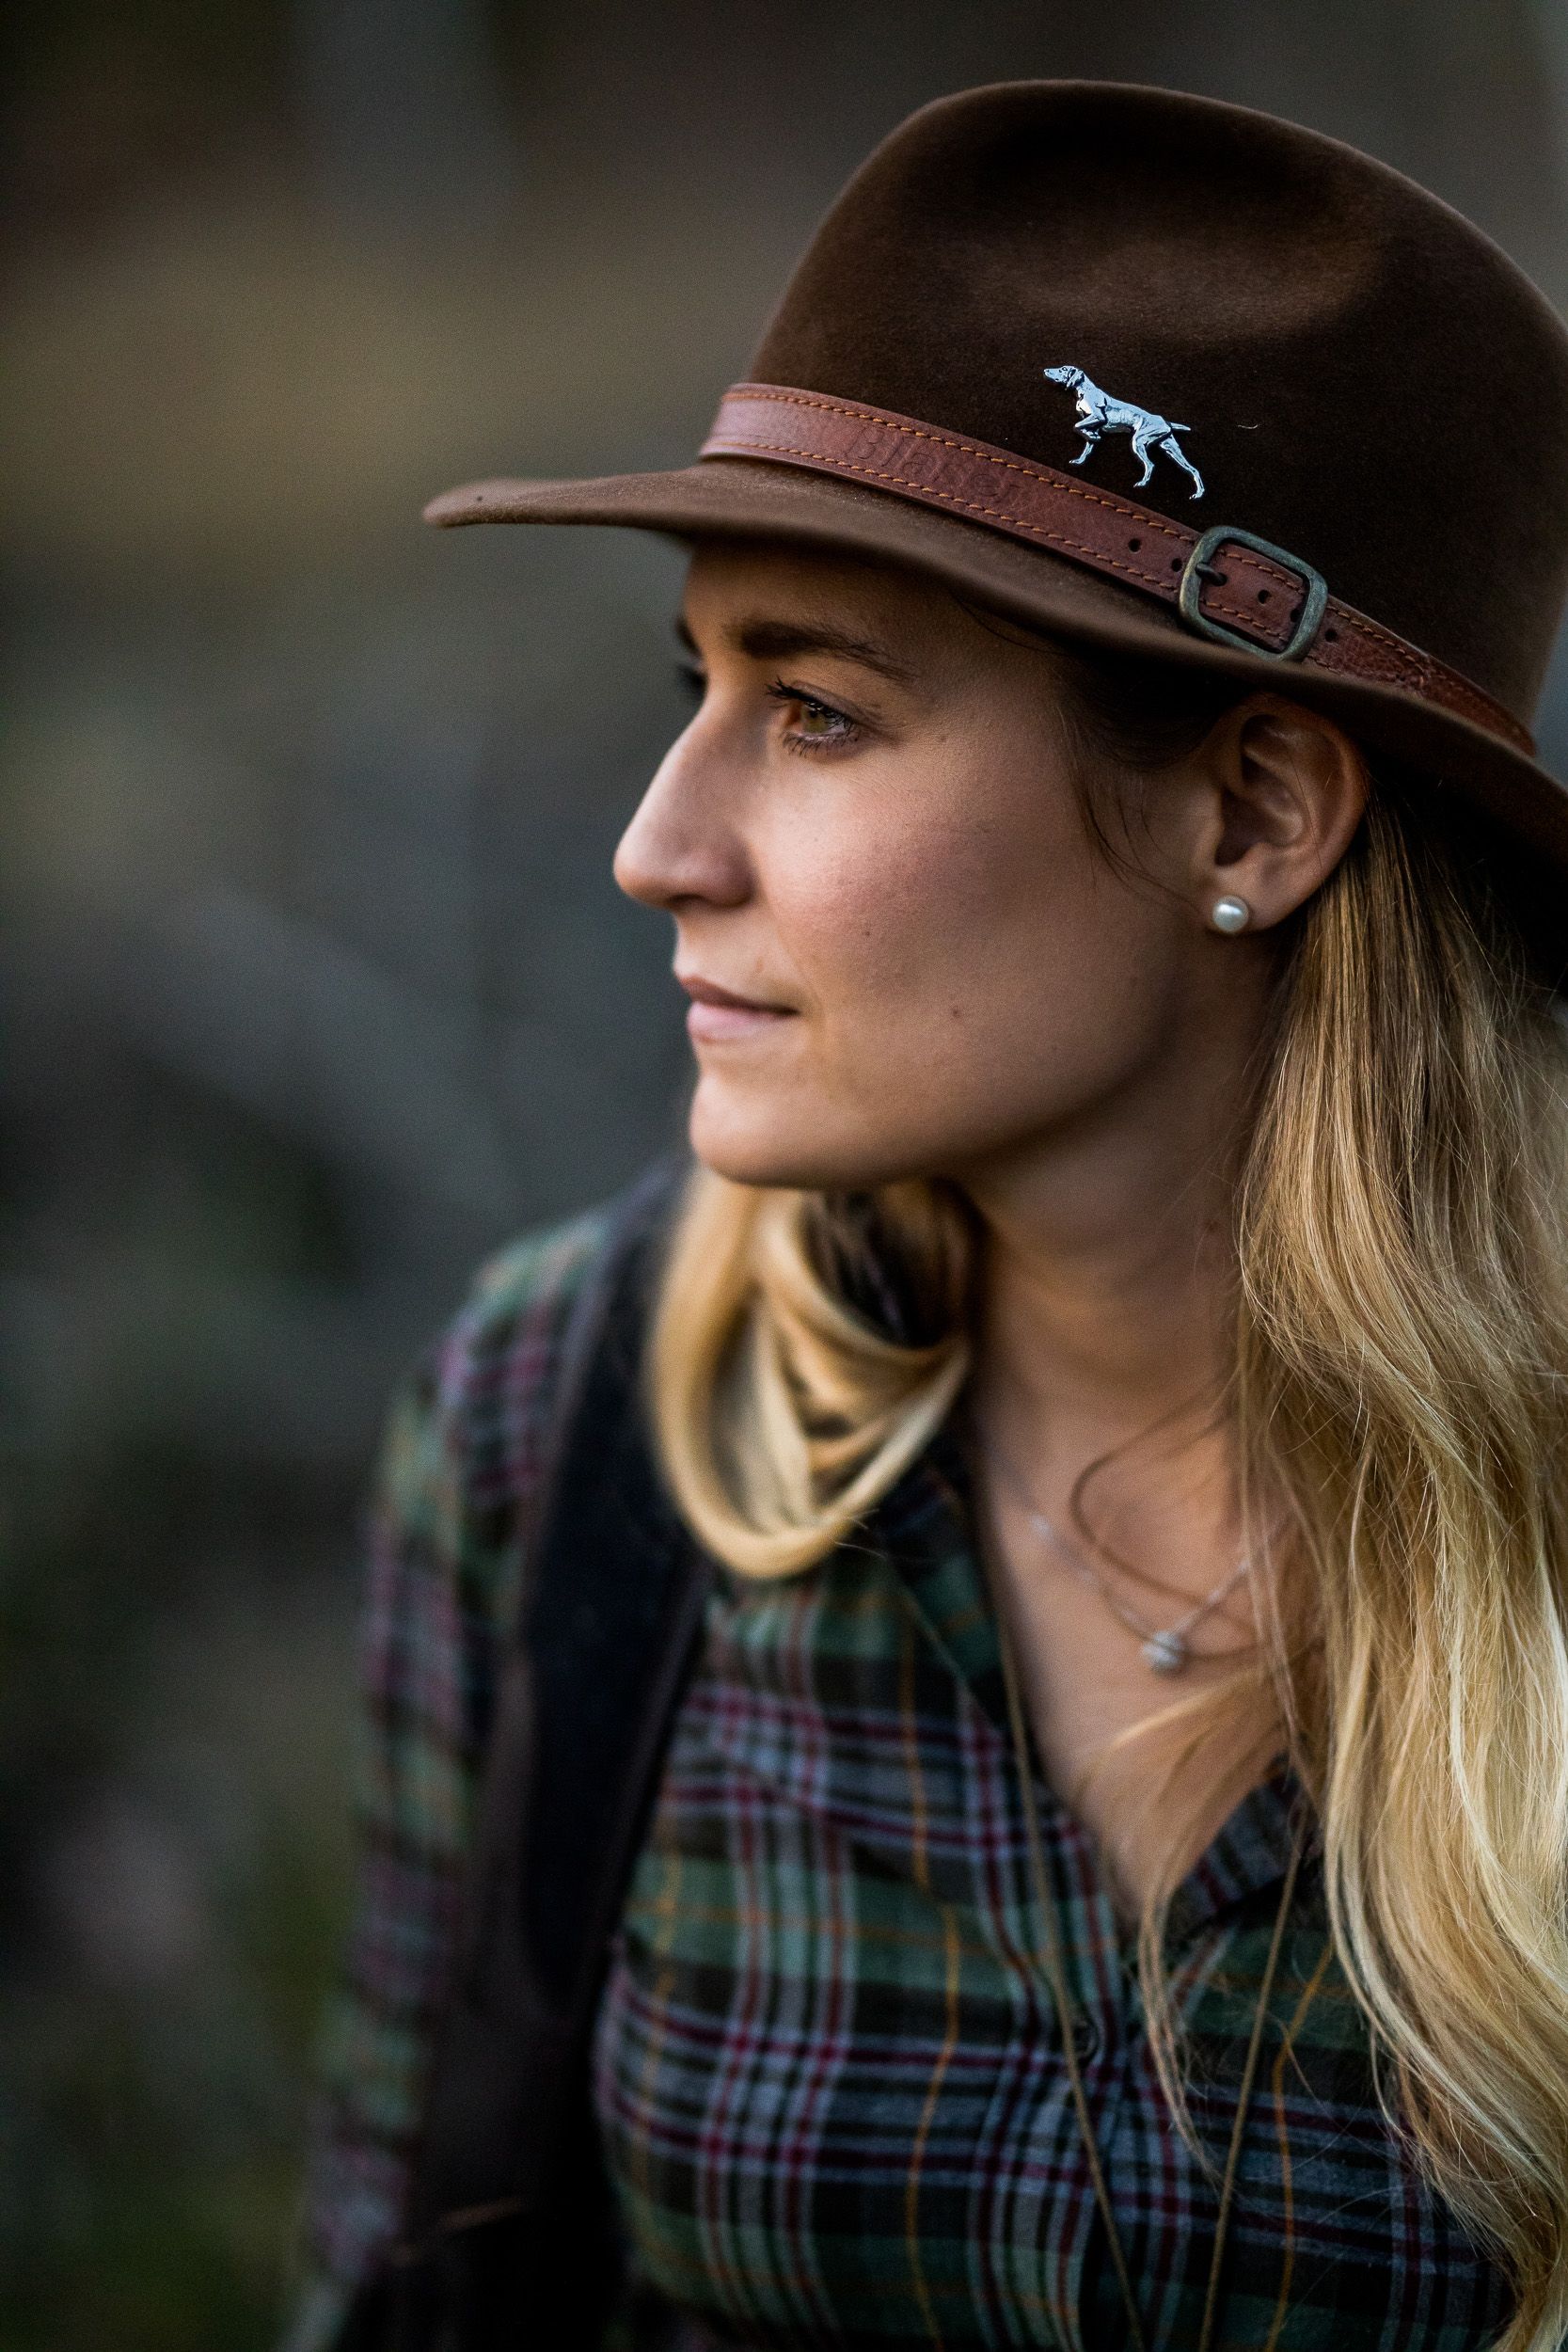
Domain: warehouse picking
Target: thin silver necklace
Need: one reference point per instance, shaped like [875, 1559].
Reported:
[1165, 1649]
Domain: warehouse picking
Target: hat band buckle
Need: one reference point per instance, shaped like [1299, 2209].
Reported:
[1200, 567]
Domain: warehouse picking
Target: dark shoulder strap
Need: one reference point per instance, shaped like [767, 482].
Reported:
[505, 2237]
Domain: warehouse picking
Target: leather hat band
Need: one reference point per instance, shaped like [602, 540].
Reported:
[1227, 583]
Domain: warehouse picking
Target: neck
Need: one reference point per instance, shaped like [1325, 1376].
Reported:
[1115, 1309]
[1107, 1295]
[1107, 1273]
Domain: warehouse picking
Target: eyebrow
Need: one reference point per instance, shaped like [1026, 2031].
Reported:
[767, 640]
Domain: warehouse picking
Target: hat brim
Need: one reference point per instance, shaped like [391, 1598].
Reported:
[739, 497]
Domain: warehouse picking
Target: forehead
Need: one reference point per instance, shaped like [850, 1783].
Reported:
[722, 567]
[770, 599]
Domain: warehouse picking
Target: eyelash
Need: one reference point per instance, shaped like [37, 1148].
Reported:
[804, 746]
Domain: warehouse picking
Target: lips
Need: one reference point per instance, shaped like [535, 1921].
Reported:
[709, 993]
[717, 1014]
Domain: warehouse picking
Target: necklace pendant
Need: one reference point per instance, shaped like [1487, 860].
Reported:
[1165, 1653]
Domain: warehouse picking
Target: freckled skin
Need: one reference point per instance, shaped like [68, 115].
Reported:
[970, 978]
[977, 993]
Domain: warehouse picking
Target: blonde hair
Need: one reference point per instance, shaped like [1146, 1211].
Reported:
[1401, 1374]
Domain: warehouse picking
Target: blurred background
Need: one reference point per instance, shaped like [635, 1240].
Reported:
[317, 987]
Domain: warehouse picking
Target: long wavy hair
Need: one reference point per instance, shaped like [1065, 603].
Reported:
[1400, 1380]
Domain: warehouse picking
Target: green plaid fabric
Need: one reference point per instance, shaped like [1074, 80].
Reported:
[827, 2071]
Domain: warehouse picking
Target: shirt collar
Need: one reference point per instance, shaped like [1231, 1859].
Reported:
[925, 1526]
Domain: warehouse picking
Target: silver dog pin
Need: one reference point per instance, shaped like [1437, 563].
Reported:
[1102, 412]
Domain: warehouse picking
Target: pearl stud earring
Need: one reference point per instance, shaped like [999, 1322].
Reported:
[1230, 914]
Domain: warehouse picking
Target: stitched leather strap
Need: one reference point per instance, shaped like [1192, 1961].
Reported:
[1252, 594]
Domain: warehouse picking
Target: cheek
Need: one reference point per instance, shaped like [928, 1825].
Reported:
[970, 972]
[970, 946]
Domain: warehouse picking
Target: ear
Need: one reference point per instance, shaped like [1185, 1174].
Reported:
[1284, 792]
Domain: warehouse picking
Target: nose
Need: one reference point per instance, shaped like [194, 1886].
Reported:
[684, 841]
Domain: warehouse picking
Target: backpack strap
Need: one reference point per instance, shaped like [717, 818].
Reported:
[509, 2235]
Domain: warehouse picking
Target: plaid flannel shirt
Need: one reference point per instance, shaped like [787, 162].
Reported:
[827, 2071]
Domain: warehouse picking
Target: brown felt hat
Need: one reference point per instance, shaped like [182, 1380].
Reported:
[1178, 378]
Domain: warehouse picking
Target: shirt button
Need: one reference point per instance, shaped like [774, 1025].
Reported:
[1086, 2038]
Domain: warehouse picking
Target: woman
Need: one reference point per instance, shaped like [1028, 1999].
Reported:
[1104, 1874]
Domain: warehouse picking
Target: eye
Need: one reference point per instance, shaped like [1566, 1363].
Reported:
[823, 729]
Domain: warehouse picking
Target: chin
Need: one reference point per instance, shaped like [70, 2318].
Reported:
[750, 1151]
[786, 1146]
